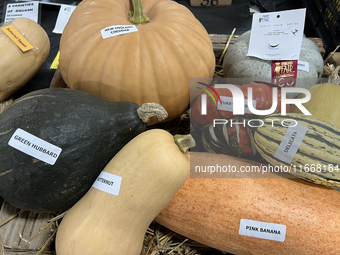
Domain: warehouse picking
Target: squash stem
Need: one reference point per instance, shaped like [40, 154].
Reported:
[138, 16]
[148, 110]
[184, 142]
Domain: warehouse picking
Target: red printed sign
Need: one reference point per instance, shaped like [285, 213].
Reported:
[284, 72]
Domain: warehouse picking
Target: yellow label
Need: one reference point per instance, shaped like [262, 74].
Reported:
[17, 38]
[55, 62]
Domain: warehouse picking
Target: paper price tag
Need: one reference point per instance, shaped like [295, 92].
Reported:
[117, 30]
[17, 38]
[263, 230]
[34, 146]
[108, 183]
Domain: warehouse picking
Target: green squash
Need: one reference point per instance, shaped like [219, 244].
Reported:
[88, 130]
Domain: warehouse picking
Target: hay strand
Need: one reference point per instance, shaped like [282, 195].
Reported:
[11, 217]
[2, 248]
[226, 47]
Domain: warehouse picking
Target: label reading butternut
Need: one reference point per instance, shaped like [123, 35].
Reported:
[17, 38]
[108, 183]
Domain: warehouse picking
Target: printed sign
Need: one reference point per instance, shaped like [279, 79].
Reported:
[277, 35]
[28, 10]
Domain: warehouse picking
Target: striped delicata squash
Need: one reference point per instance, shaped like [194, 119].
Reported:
[309, 148]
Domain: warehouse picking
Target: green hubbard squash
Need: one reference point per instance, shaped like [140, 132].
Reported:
[88, 130]
[152, 169]
[18, 67]
[154, 64]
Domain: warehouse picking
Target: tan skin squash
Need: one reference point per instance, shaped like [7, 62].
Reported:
[208, 210]
[154, 64]
[152, 169]
[17, 68]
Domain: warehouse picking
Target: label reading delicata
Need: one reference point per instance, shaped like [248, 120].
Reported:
[117, 30]
[108, 183]
[291, 143]
[263, 230]
[34, 146]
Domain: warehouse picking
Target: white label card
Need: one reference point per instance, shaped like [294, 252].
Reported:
[117, 30]
[64, 15]
[291, 143]
[28, 10]
[277, 35]
[34, 146]
[263, 230]
[108, 183]
[227, 104]
[303, 65]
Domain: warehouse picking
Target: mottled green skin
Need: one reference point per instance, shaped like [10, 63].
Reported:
[88, 129]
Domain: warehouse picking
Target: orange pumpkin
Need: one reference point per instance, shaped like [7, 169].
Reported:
[154, 64]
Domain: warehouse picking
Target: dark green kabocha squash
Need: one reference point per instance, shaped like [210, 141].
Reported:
[55, 142]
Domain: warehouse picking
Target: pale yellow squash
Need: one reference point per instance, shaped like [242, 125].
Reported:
[18, 67]
[324, 103]
[152, 169]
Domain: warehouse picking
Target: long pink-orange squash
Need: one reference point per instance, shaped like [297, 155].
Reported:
[209, 211]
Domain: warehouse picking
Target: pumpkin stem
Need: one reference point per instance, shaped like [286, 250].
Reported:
[184, 142]
[138, 16]
[148, 110]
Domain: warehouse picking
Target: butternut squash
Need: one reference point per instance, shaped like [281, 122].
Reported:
[152, 169]
[210, 210]
[18, 67]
